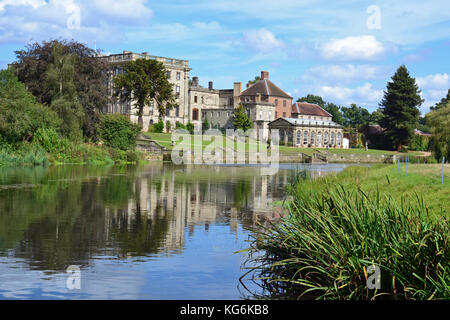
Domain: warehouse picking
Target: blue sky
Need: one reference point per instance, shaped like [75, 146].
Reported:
[344, 51]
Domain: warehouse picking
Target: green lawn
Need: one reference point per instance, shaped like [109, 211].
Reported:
[165, 139]
[423, 180]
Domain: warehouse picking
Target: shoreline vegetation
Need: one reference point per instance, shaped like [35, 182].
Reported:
[339, 226]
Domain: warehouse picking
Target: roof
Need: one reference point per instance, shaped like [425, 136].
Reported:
[265, 87]
[309, 109]
[308, 122]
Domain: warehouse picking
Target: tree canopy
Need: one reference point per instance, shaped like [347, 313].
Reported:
[241, 119]
[400, 108]
[144, 81]
[439, 121]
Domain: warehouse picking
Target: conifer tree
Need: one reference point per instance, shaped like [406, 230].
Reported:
[400, 108]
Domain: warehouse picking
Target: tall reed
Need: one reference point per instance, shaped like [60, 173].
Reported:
[324, 248]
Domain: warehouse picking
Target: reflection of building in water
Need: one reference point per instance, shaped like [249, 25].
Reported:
[186, 201]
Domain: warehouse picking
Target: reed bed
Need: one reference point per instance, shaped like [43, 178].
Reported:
[324, 248]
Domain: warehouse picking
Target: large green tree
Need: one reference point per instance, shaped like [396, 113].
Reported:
[60, 82]
[31, 68]
[20, 114]
[144, 81]
[400, 108]
[439, 121]
[355, 116]
[241, 119]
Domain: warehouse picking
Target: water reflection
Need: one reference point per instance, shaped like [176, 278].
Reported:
[160, 217]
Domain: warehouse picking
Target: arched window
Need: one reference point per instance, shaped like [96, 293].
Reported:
[338, 139]
[305, 137]
[299, 137]
[325, 138]
[312, 137]
[319, 139]
[332, 138]
[195, 114]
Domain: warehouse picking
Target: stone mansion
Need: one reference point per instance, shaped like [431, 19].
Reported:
[269, 107]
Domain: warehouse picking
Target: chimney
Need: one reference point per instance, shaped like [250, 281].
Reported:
[194, 81]
[237, 90]
[264, 75]
[210, 85]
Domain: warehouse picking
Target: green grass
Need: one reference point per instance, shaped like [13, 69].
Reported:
[341, 225]
[165, 140]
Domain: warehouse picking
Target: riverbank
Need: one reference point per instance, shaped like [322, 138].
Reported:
[342, 228]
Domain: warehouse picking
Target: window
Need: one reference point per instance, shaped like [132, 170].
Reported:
[276, 102]
[325, 138]
[177, 91]
[260, 115]
[332, 139]
[305, 137]
[276, 114]
[299, 136]
[319, 138]
[167, 112]
[168, 75]
[338, 139]
[178, 75]
[270, 115]
[177, 111]
[284, 103]
[218, 114]
[195, 114]
[230, 102]
[195, 99]
[284, 114]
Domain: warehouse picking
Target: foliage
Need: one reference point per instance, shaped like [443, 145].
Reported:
[23, 153]
[330, 107]
[145, 81]
[50, 141]
[117, 131]
[251, 82]
[420, 143]
[205, 125]
[179, 125]
[355, 116]
[20, 114]
[444, 101]
[32, 68]
[168, 126]
[241, 119]
[400, 108]
[376, 116]
[71, 113]
[159, 126]
[324, 248]
[439, 121]
[190, 127]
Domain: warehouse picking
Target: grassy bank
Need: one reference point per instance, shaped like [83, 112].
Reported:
[165, 140]
[340, 226]
[73, 153]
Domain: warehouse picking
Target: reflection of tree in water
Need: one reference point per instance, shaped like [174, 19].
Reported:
[241, 192]
[63, 220]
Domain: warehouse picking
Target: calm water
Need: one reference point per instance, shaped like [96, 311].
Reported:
[136, 232]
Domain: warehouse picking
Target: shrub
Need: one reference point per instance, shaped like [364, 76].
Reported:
[190, 127]
[132, 156]
[168, 126]
[117, 131]
[159, 126]
[50, 141]
[179, 125]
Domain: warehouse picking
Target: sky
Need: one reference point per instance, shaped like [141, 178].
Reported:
[345, 51]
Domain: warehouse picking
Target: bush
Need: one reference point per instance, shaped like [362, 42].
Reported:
[179, 125]
[50, 141]
[23, 154]
[117, 131]
[159, 126]
[132, 156]
[190, 127]
[168, 126]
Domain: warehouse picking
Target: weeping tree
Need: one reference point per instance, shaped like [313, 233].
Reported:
[144, 81]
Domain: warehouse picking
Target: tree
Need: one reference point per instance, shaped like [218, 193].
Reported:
[376, 116]
[310, 98]
[444, 101]
[21, 115]
[439, 121]
[117, 131]
[59, 80]
[355, 116]
[241, 119]
[400, 108]
[31, 69]
[205, 125]
[144, 81]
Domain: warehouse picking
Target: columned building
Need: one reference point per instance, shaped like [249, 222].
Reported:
[309, 126]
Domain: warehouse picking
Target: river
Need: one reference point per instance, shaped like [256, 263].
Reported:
[156, 231]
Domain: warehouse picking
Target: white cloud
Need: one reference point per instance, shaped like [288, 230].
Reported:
[352, 48]
[343, 73]
[25, 20]
[434, 81]
[364, 95]
[261, 40]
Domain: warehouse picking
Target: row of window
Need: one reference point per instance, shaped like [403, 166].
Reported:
[314, 138]
[178, 75]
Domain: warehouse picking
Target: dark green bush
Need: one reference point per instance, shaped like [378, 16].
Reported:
[117, 131]
[159, 126]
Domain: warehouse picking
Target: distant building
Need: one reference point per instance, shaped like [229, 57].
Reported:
[308, 126]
